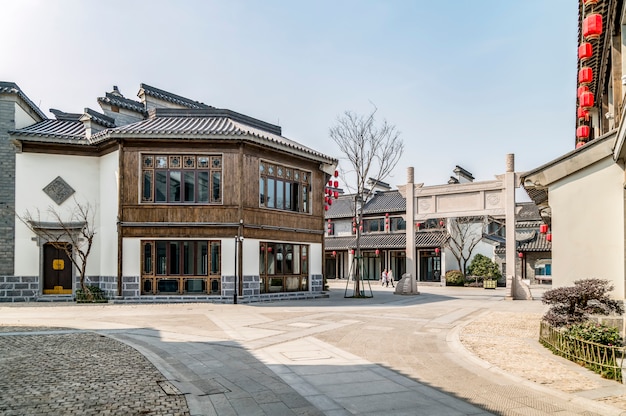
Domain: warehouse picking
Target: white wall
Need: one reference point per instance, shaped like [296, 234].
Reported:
[22, 118]
[108, 211]
[131, 261]
[588, 235]
[33, 172]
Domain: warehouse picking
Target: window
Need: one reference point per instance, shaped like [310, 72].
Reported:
[181, 179]
[283, 267]
[284, 188]
[180, 267]
[398, 224]
[330, 228]
[375, 225]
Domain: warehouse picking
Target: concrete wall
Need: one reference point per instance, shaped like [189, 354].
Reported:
[107, 211]
[588, 236]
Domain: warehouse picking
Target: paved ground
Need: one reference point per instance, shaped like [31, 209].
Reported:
[448, 351]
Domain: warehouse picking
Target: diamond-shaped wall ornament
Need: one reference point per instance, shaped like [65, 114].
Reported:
[58, 190]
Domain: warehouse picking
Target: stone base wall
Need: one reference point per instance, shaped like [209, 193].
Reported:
[19, 288]
[317, 283]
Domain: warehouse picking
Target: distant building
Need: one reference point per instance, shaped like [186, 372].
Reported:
[193, 202]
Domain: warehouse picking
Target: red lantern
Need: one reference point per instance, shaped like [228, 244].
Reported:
[360, 228]
[582, 114]
[582, 132]
[418, 225]
[336, 194]
[262, 248]
[334, 253]
[328, 221]
[354, 230]
[336, 173]
[330, 183]
[549, 236]
[585, 51]
[581, 89]
[586, 99]
[325, 207]
[520, 255]
[585, 75]
[543, 228]
[592, 26]
[386, 214]
[326, 199]
[352, 251]
[330, 201]
[336, 184]
[441, 223]
[377, 252]
[437, 250]
[269, 249]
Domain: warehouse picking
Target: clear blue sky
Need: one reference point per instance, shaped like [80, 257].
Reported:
[466, 82]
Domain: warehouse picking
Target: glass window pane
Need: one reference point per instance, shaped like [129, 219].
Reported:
[215, 257]
[280, 192]
[188, 257]
[161, 186]
[271, 202]
[190, 186]
[305, 260]
[174, 257]
[147, 185]
[295, 202]
[201, 258]
[147, 258]
[161, 257]
[194, 285]
[305, 199]
[174, 186]
[271, 259]
[262, 191]
[168, 285]
[280, 258]
[203, 186]
[217, 181]
[288, 195]
[288, 259]
[262, 259]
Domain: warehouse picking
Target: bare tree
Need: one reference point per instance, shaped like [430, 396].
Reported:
[465, 234]
[372, 151]
[73, 232]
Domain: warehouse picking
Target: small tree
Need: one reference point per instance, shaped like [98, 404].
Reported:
[465, 234]
[574, 304]
[73, 232]
[372, 150]
[482, 266]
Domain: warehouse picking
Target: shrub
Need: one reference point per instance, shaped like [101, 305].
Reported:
[454, 278]
[595, 332]
[95, 294]
[574, 304]
[482, 266]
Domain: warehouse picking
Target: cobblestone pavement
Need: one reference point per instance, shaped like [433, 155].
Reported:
[449, 351]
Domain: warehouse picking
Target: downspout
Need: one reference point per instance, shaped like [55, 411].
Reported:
[120, 255]
[239, 253]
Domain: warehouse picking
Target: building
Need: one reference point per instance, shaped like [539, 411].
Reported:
[191, 202]
[581, 194]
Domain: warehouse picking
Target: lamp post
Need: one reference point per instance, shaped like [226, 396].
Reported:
[238, 240]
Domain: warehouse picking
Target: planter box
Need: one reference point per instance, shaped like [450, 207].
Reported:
[490, 284]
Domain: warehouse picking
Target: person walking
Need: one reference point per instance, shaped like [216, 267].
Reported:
[390, 278]
[383, 278]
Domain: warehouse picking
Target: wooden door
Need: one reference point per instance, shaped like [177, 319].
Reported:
[57, 269]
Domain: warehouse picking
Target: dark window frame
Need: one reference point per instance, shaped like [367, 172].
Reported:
[284, 188]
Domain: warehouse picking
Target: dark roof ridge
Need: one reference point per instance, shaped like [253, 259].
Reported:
[100, 118]
[127, 103]
[63, 116]
[13, 88]
[216, 112]
[168, 96]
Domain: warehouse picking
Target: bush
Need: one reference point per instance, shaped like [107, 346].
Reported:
[454, 278]
[95, 295]
[482, 266]
[575, 304]
[595, 332]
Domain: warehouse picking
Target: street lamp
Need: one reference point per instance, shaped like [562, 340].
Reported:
[238, 239]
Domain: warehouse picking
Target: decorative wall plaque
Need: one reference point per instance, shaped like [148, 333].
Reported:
[58, 190]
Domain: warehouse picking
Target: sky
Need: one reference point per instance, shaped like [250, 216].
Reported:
[465, 82]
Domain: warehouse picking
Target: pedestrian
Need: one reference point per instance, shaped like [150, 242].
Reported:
[383, 277]
[390, 278]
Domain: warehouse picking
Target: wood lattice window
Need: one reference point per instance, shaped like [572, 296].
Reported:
[284, 188]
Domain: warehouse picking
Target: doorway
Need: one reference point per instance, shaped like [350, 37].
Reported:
[430, 266]
[57, 269]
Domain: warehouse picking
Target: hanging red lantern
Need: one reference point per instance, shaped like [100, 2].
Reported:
[360, 228]
[262, 248]
[520, 255]
[336, 194]
[334, 253]
[377, 252]
[325, 207]
[326, 199]
[441, 223]
[328, 221]
[352, 251]
[581, 89]
[418, 225]
[543, 228]
[586, 99]
[585, 75]
[585, 51]
[336, 173]
[336, 184]
[592, 26]
[386, 214]
[330, 201]
[582, 114]
[582, 132]
[269, 249]
[437, 250]
[330, 182]
[549, 237]
[354, 230]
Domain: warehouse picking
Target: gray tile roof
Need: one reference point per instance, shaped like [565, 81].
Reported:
[123, 102]
[380, 203]
[527, 211]
[386, 241]
[100, 118]
[12, 88]
[63, 116]
[172, 98]
[528, 241]
[64, 131]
